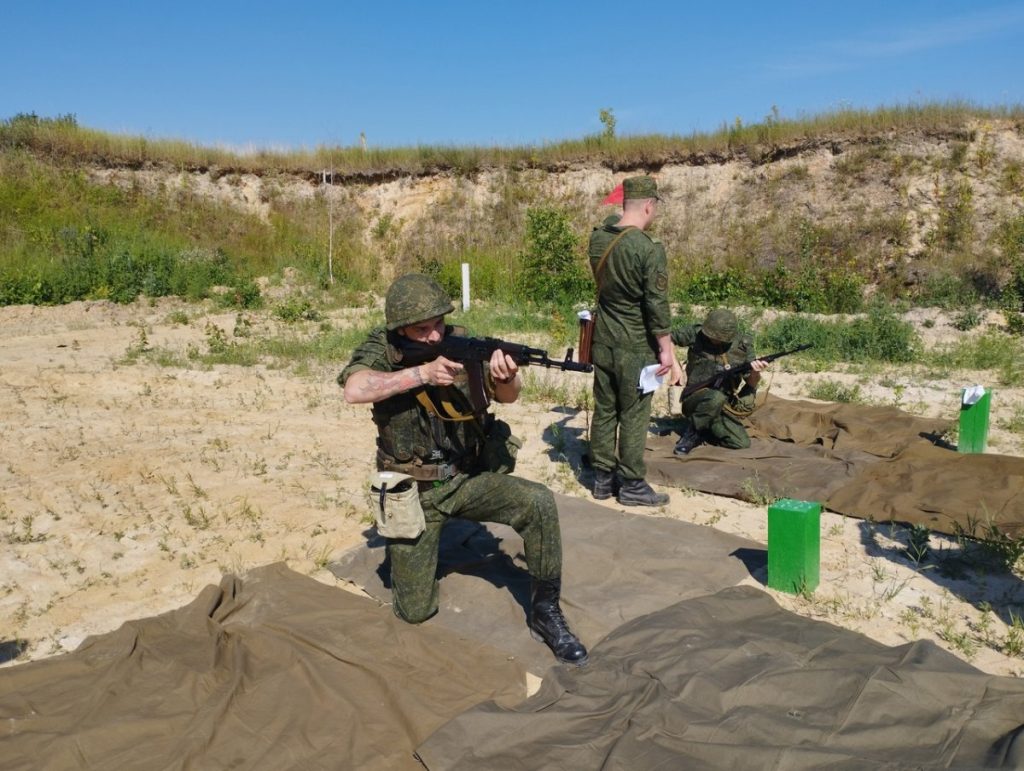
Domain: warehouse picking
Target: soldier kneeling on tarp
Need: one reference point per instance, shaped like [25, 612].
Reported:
[438, 459]
[712, 414]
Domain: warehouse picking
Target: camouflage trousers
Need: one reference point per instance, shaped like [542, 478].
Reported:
[705, 411]
[622, 414]
[527, 507]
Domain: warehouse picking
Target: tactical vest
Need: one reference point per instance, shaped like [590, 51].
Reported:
[419, 441]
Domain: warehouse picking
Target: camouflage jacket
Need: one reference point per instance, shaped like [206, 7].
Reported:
[705, 358]
[633, 301]
[406, 431]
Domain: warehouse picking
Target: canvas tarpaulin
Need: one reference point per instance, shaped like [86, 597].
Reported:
[616, 566]
[276, 671]
[732, 681]
[870, 462]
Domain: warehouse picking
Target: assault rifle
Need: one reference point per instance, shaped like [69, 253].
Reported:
[472, 352]
[718, 379]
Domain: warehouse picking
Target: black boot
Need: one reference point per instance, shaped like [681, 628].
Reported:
[548, 625]
[604, 484]
[636, 492]
[689, 438]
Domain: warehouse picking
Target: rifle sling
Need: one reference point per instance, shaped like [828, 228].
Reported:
[599, 270]
[448, 411]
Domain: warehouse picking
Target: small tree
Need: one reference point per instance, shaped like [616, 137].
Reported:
[607, 118]
[551, 268]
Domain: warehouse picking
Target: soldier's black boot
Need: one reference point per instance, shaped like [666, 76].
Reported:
[604, 484]
[548, 625]
[636, 492]
[689, 438]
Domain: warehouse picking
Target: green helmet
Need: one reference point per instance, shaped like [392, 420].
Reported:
[413, 298]
[720, 326]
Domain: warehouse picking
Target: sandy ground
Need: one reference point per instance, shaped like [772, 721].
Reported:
[128, 486]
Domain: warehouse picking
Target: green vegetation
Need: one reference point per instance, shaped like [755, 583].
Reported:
[878, 336]
[992, 350]
[75, 224]
[809, 289]
[830, 391]
[551, 269]
[63, 139]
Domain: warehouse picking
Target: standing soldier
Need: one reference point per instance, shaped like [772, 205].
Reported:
[460, 463]
[710, 414]
[630, 333]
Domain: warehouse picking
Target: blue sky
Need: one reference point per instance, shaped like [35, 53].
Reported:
[304, 74]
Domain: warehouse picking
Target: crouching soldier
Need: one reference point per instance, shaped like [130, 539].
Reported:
[458, 458]
[714, 414]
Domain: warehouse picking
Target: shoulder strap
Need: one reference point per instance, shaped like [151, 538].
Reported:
[599, 270]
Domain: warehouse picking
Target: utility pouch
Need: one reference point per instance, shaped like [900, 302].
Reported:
[500, 449]
[395, 501]
[587, 321]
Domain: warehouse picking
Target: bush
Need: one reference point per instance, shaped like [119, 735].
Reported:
[713, 287]
[878, 336]
[551, 269]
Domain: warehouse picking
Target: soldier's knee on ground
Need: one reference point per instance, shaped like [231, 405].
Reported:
[734, 439]
[414, 600]
[415, 612]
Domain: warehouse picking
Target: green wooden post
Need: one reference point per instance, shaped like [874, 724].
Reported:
[973, 435]
[794, 545]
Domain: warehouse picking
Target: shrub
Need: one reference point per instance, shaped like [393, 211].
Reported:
[831, 391]
[712, 287]
[551, 269]
[878, 336]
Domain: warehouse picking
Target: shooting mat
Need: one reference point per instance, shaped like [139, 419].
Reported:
[616, 566]
[869, 462]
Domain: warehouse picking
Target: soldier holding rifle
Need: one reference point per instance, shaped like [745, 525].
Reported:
[431, 432]
[714, 401]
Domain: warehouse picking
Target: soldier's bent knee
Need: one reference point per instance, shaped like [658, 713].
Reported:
[417, 614]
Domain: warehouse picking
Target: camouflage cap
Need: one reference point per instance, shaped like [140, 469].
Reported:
[720, 326]
[640, 187]
[413, 298]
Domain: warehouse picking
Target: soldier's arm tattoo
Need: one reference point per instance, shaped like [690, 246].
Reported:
[368, 385]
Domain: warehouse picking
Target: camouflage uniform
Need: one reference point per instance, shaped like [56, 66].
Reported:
[409, 435]
[714, 414]
[632, 310]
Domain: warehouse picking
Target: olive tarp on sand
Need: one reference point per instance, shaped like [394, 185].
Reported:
[278, 671]
[616, 566]
[731, 680]
[876, 463]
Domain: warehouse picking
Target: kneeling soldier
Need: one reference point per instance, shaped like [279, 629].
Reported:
[427, 430]
[713, 415]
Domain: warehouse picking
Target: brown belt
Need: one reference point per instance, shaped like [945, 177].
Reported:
[421, 472]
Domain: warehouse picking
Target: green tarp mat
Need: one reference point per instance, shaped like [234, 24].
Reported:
[876, 463]
[732, 681]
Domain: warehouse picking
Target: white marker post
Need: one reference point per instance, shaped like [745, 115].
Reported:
[465, 286]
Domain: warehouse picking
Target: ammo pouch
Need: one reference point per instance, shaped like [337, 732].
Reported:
[395, 501]
[499, 450]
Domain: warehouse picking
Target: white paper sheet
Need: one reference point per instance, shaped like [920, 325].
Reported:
[649, 382]
[972, 394]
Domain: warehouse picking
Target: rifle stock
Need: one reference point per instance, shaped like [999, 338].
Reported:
[719, 378]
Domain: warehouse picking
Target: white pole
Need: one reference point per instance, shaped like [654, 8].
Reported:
[465, 286]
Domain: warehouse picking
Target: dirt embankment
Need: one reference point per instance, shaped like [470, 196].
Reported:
[894, 206]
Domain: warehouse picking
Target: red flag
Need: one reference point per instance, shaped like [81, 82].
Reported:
[615, 196]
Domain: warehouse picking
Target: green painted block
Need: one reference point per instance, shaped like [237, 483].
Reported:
[973, 435]
[794, 545]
